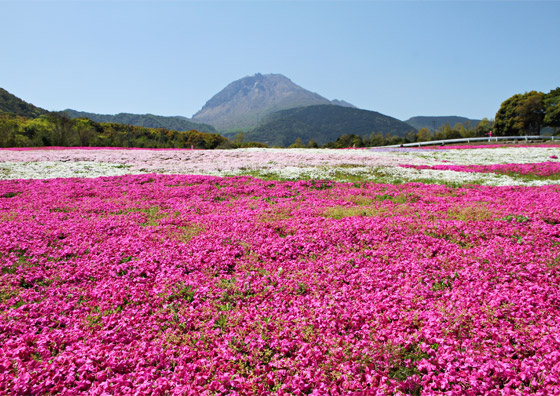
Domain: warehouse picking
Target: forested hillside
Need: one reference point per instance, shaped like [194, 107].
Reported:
[11, 104]
[323, 124]
[435, 122]
[145, 120]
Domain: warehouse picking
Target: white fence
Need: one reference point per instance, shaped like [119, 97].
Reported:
[474, 139]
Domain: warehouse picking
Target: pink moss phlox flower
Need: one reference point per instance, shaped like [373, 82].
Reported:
[198, 285]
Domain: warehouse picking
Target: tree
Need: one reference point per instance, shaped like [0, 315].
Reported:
[8, 131]
[446, 132]
[349, 140]
[312, 144]
[483, 127]
[459, 131]
[423, 135]
[530, 113]
[297, 144]
[193, 139]
[552, 109]
[61, 128]
[239, 139]
[521, 114]
[84, 131]
[377, 139]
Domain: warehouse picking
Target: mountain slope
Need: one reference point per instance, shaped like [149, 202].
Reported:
[246, 102]
[10, 103]
[428, 122]
[323, 123]
[342, 103]
[145, 120]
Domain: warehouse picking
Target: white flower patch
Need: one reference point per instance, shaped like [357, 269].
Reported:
[380, 165]
[483, 156]
[449, 176]
[53, 169]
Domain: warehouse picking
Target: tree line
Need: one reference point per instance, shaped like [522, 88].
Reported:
[375, 139]
[57, 129]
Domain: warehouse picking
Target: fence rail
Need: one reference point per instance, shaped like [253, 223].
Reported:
[473, 139]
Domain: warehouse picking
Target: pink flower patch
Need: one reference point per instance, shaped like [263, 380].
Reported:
[154, 284]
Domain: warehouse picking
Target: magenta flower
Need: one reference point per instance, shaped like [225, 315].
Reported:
[189, 285]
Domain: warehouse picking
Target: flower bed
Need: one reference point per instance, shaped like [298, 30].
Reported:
[158, 284]
[541, 169]
[379, 165]
[497, 145]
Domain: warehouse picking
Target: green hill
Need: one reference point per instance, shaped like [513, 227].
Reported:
[428, 121]
[145, 120]
[323, 124]
[11, 104]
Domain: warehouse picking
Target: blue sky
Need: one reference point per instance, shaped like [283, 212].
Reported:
[400, 58]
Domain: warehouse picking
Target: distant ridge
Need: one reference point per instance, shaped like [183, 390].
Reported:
[10, 103]
[176, 123]
[246, 102]
[342, 103]
[323, 124]
[428, 121]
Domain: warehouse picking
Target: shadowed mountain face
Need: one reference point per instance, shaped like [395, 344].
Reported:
[246, 102]
[323, 124]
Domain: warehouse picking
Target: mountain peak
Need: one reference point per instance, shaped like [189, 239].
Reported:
[245, 102]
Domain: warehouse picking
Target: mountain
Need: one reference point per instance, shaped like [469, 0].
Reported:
[428, 122]
[10, 103]
[323, 123]
[244, 103]
[342, 103]
[145, 120]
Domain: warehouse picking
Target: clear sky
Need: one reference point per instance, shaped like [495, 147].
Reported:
[400, 58]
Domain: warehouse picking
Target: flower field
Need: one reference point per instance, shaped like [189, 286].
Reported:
[377, 165]
[183, 284]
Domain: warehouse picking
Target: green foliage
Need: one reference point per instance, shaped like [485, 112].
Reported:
[521, 114]
[445, 131]
[552, 109]
[183, 293]
[312, 144]
[356, 141]
[57, 129]
[297, 144]
[518, 218]
[14, 105]
[24, 125]
[484, 127]
[424, 135]
[346, 141]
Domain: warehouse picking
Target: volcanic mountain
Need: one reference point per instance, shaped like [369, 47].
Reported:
[244, 103]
